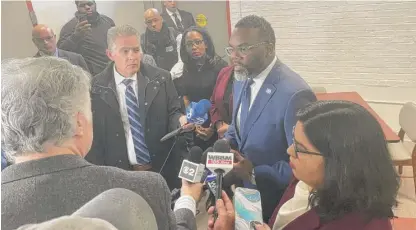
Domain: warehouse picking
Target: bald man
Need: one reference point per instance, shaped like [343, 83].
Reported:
[178, 19]
[45, 40]
[159, 40]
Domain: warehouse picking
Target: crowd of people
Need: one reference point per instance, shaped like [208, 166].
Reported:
[87, 112]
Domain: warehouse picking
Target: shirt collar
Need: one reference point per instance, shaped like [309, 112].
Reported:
[43, 54]
[171, 13]
[119, 79]
[263, 75]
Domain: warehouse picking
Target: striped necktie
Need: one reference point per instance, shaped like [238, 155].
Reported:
[178, 22]
[140, 148]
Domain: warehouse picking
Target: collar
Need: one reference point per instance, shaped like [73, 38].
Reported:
[42, 54]
[119, 78]
[259, 79]
[42, 166]
[171, 13]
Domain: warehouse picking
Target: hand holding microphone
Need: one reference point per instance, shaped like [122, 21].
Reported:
[196, 114]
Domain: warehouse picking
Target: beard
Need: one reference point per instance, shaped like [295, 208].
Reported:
[241, 74]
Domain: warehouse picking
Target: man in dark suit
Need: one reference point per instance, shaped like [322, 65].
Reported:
[264, 109]
[45, 40]
[178, 19]
[134, 106]
[47, 130]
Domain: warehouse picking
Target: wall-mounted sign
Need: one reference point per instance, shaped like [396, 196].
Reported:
[201, 20]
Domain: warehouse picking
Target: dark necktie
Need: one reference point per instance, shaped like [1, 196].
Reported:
[178, 22]
[245, 103]
[140, 148]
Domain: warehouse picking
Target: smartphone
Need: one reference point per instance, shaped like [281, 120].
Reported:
[247, 205]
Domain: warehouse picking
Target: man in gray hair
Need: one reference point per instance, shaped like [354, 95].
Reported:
[134, 105]
[46, 127]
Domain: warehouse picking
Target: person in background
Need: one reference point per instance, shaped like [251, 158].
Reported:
[178, 19]
[86, 34]
[265, 106]
[47, 129]
[45, 40]
[344, 177]
[159, 40]
[134, 106]
[201, 66]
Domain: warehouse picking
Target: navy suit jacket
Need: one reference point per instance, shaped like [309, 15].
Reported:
[268, 128]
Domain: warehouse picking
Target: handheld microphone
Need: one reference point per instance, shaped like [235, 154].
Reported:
[220, 162]
[196, 113]
[192, 170]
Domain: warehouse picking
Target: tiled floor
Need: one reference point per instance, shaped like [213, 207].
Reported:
[406, 199]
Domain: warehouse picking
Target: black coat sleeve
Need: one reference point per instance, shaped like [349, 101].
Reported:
[174, 104]
[68, 40]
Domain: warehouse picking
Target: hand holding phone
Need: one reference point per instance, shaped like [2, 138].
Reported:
[83, 25]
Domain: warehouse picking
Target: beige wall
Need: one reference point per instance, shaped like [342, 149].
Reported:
[367, 47]
[57, 13]
[16, 30]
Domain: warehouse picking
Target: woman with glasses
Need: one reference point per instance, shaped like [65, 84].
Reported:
[344, 177]
[201, 66]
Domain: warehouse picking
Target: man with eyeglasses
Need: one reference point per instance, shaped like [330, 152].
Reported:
[86, 34]
[45, 40]
[159, 40]
[265, 103]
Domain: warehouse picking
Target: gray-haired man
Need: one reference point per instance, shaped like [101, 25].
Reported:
[46, 127]
[134, 105]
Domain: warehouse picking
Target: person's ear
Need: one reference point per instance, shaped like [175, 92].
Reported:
[109, 54]
[270, 49]
[81, 124]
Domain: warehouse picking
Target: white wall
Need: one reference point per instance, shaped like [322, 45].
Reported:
[368, 46]
[16, 31]
[56, 13]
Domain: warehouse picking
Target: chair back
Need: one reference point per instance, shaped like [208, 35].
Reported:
[319, 89]
[407, 120]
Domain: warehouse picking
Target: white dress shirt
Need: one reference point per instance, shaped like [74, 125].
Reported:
[294, 207]
[121, 93]
[255, 88]
[173, 18]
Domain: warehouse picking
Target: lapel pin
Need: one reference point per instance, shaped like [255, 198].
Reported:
[268, 91]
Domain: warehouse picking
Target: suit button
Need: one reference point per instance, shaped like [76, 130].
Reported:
[119, 161]
[116, 134]
[145, 103]
[155, 87]
[148, 130]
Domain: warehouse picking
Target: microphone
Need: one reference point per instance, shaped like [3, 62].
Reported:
[196, 113]
[192, 170]
[220, 162]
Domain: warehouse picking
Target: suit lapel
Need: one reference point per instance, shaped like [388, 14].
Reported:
[238, 90]
[264, 95]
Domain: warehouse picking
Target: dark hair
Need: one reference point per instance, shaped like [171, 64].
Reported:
[359, 175]
[210, 52]
[266, 31]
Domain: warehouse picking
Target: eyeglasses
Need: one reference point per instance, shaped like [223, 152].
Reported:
[46, 39]
[150, 21]
[243, 50]
[191, 43]
[297, 150]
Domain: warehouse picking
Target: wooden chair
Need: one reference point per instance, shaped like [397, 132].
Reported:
[400, 154]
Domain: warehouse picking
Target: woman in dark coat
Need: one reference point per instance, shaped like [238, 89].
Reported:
[200, 72]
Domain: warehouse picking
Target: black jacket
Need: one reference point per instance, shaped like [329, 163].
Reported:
[160, 108]
[162, 46]
[187, 20]
[73, 58]
[92, 46]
